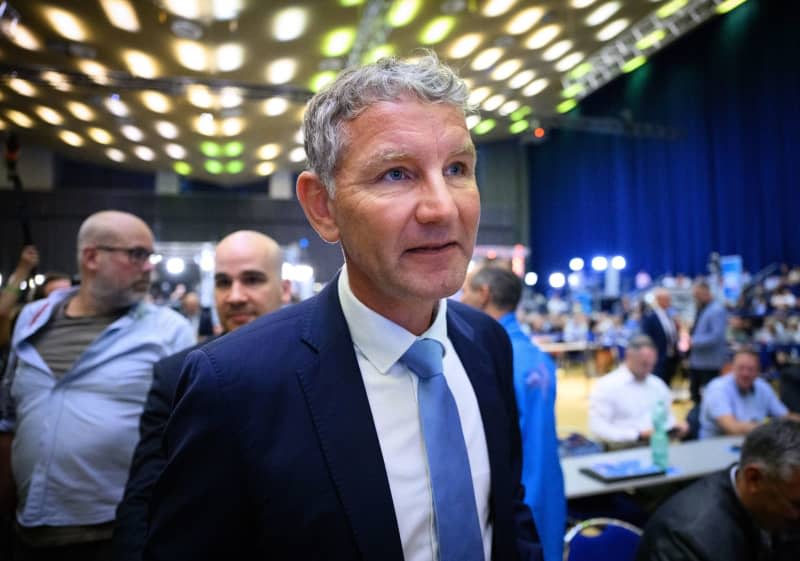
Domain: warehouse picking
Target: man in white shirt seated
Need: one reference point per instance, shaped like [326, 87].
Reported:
[622, 402]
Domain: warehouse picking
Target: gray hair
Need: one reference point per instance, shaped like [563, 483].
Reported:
[774, 447]
[355, 89]
[640, 341]
[505, 288]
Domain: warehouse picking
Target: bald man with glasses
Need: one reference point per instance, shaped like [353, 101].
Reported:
[78, 376]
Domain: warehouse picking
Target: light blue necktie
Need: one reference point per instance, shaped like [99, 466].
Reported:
[455, 512]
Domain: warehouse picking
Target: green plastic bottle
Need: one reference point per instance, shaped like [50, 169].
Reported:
[659, 440]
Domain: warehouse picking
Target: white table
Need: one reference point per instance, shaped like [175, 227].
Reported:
[690, 460]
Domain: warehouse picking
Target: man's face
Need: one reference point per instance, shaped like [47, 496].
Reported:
[247, 284]
[407, 205]
[664, 300]
[472, 296]
[745, 371]
[701, 294]
[641, 361]
[120, 281]
[775, 503]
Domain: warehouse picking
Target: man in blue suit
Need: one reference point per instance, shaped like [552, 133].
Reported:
[709, 345]
[497, 292]
[321, 432]
[247, 285]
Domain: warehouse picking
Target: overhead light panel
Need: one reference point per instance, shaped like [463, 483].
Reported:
[666, 10]
[477, 95]
[509, 107]
[437, 30]
[234, 166]
[265, 168]
[494, 102]
[71, 138]
[494, 8]
[80, 111]
[465, 45]
[95, 71]
[22, 87]
[141, 64]
[19, 118]
[473, 120]
[542, 36]
[229, 57]
[728, 5]
[557, 50]
[268, 151]
[612, 30]
[506, 69]
[522, 79]
[602, 13]
[486, 58]
[205, 124]
[65, 24]
[518, 127]
[116, 106]
[297, 154]
[101, 136]
[132, 133]
[322, 79]
[275, 106]
[484, 126]
[191, 55]
[121, 14]
[20, 35]
[633, 64]
[581, 3]
[338, 42]
[233, 149]
[536, 87]
[230, 97]
[651, 39]
[175, 151]
[210, 149]
[566, 106]
[115, 154]
[49, 115]
[402, 12]
[144, 153]
[232, 126]
[524, 20]
[281, 71]
[568, 62]
[377, 53]
[182, 168]
[200, 96]
[214, 167]
[289, 23]
[156, 102]
[57, 80]
[166, 129]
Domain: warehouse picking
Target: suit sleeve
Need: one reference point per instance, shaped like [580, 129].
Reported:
[666, 545]
[199, 500]
[714, 334]
[149, 460]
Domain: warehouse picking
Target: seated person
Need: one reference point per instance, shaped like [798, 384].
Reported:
[738, 402]
[744, 513]
[622, 402]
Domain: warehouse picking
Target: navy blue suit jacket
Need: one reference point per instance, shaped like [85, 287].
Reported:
[273, 452]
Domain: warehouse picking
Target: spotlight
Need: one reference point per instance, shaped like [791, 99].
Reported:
[618, 262]
[175, 265]
[599, 263]
[557, 280]
[531, 278]
[576, 264]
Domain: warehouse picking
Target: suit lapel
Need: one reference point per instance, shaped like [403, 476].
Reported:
[340, 411]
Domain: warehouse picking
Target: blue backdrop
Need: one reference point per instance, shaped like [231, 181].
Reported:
[729, 183]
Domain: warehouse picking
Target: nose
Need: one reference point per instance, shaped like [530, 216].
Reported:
[147, 265]
[436, 202]
[235, 294]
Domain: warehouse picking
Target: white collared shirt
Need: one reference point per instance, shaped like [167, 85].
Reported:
[392, 394]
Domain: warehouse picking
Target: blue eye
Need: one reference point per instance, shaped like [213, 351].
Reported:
[395, 175]
[456, 169]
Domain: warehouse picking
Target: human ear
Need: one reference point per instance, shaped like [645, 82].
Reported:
[317, 205]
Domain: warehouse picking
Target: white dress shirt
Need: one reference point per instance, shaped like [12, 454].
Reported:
[392, 393]
[621, 406]
[669, 329]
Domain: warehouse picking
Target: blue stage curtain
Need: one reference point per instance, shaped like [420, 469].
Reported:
[730, 182]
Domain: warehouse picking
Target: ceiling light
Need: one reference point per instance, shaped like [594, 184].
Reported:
[49, 115]
[121, 14]
[477, 95]
[191, 55]
[205, 124]
[581, 70]
[465, 45]
[20, 35]
[338, 41]
[234, 166]
[156, 102]
[484, 126]
[557, 50]
[728, 5]
[144, 153]
[379, 52]
[473, 120]
[232, 126]
[182, 168]
[566, 106]
[521, 113]
[80, 110]
[166, 129]
[275, 106]
[225, 10]
[508, 107]
[518, 126]
[506, 69]
[229, 57]
[96, 71]
[132, 133]
[572, 91]
[213, 167]
[298, 136]
[57, 80]
[494, 102]
[230, 97]
[521, 79]
[602, 13]
[101, 136]
[297, 154]
[535, 87]
[22, 87]
[581, 3]
[199, 96]
[568, 62]
[524, 20]
[189, 9]
[670, 8]
[289, 23]
[233, 149]
[175, 151]
[651, 39]
[65, 24]
[115, 154]
[19, 118]
[210, 149]
[633, 63]
[486, 58]
[268, 151]
[116, 106]
[281, 71]
[71, 138]
[402, 12]
[494, 8]
[542, 36]
[322, 79]
[436, 30]
[612, 30]
[265, 168]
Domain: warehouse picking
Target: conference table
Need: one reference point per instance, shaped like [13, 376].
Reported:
[687, 460]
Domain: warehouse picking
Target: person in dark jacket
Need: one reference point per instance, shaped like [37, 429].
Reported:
[248, 285]
[750, 512]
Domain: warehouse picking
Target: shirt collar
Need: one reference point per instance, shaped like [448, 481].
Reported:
[378, 338]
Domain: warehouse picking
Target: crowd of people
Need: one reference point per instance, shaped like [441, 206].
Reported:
[378, 420]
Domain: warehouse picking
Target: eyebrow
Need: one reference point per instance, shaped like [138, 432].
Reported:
[391, 155]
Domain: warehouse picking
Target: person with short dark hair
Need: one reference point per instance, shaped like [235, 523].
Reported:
[750, 512]
[497, 292]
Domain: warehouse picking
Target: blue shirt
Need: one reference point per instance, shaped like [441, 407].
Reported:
[74, 436]
[723, 397]
[535, 389]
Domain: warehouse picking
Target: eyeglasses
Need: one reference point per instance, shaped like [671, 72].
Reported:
[136, 255]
